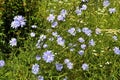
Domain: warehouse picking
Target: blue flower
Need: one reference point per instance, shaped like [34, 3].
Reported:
[112, 10]
[35, 68]
[84, 7]
[106, 3]
[78, 11]
[116, 50]
[62, 15]
[38, 57]
[60, 41]
[66, 61]
[72, 31]
[81, 52]
[18, 21]
[48, 56]
[91, 42]
[2, 63]
[13, 42]
[115, 38]
[40, 77]
[59, 66]
[51, 18]
[15, 24]
[69, 65]
[63, 12]
[85, 66]
[55, 34]
[83, 46]
[45, 46]
[21, 19]
[54, 24]
[81, 40]
[60, 18]
[87, 31]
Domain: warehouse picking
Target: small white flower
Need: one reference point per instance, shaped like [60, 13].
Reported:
[78, 11]
[55, 34]
[115, 38]
[84, 7]
[97, 31]
[84, 0]
[13, 42]
[45, 46]
[72, 49]
[38, 57]
[32, 34]
[38, 45]
[81, 40]
[78, 30]
[69, 65]
[34, 26]
[42, 37]
[51, 39]
[112, 10]
[40, 77]
[66, 61]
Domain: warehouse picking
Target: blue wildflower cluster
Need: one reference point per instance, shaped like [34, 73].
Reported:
[68, 63]
[106, 3]
[83, 8]
[19, 21]
[83, 40]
